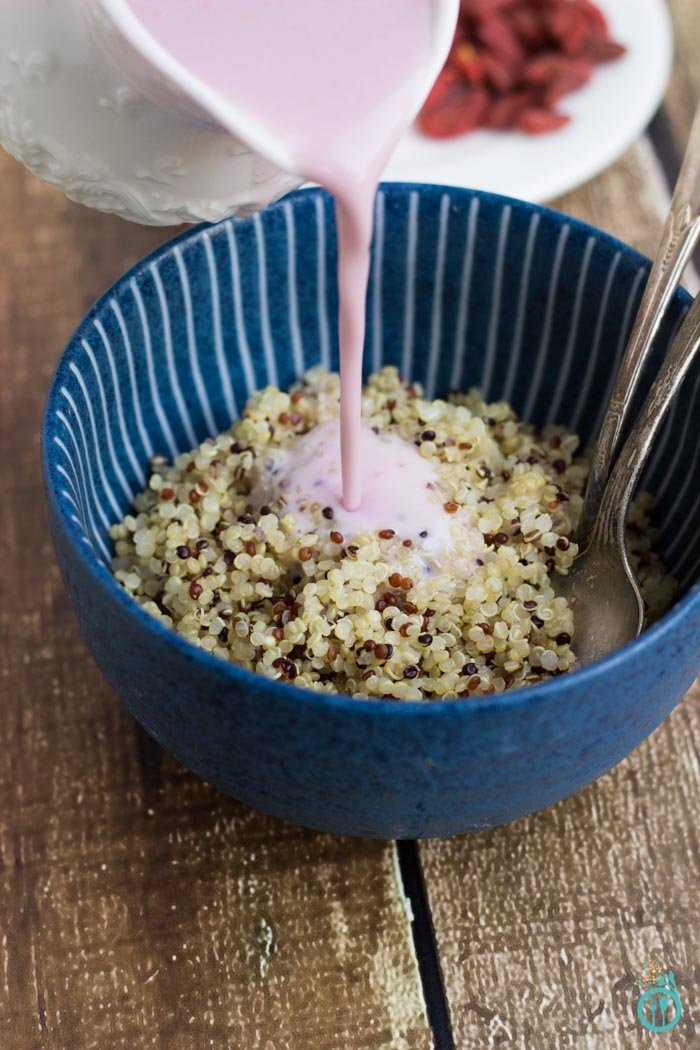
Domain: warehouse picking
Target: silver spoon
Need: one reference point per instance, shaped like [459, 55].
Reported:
[678, 241]
[601, 585]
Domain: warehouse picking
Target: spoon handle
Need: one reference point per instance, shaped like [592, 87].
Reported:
[610, 524]
[680, 236]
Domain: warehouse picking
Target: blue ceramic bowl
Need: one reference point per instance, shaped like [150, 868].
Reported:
[466, 289]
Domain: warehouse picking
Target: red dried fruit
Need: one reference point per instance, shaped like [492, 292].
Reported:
[499, 74]
[456, 114]
[448, 80]
[539, 121]
[596, 18]
[503, 112]
[541, 70]
[604, 51]
[467, 60]
[568, 80]
[496, 35]
[512, 61]
[570, 28]
[529, 26]
[481, 8]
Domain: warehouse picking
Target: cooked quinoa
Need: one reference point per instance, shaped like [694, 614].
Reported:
[350, 613]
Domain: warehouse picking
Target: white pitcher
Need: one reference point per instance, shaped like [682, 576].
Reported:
[90, 102]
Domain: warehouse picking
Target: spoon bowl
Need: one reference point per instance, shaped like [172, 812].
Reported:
[603, 591]
[601, 585]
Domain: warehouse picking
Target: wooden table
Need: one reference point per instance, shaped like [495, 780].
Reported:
[141, 908]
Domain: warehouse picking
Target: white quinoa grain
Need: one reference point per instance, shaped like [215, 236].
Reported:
[303, 608]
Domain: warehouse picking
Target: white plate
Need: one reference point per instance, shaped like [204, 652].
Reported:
[607, 116]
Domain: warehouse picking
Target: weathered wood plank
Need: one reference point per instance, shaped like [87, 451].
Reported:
[684, 90]
[140, 908]
[542, 925]
[629, 201]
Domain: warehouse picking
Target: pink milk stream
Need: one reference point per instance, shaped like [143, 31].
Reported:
[335, 83]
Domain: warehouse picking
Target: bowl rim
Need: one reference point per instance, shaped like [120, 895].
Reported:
[586, 677]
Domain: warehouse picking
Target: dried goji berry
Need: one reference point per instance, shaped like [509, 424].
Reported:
[596, 18]
[566, 81]
[496, 34]
[458, 113]
[570, 28]
[529, 26]
[481, 8]
[471, 64]
[499, 74]
[512, 60]
[447, 81]
[604, 50]
[539, 121]
[502, 112]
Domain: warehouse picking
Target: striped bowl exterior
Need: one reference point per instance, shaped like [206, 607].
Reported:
[466, 289]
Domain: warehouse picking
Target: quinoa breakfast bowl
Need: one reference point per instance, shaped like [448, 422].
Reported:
[369, 683]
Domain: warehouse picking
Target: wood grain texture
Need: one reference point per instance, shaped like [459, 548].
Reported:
[684, 90]
[542, 926]
[140, 908]
[630, 200]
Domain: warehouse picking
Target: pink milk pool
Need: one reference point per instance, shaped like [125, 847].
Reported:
[401, 490]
